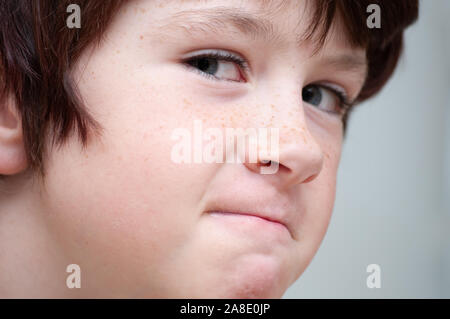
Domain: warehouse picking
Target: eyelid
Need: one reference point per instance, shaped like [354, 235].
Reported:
[344, 102]
[209, 76]
[206, 52]
[220, 54]
[339, 90]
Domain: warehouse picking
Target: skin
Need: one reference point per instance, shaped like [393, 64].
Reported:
[136, 222]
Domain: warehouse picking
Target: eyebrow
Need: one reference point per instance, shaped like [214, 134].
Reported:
[348, 62]
[218, 19]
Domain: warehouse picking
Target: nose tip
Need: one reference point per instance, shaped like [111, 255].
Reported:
[299, 160]
[302, 163]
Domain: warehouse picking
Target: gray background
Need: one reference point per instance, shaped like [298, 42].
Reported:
[392, 203]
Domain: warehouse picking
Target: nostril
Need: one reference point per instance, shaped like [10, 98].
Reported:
[265, 163]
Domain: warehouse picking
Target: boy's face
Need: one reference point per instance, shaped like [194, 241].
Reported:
[137, 222]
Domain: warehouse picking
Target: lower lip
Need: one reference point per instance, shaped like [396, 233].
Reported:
[252, 225]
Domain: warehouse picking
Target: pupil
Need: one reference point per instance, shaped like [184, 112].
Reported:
[312, 95]
[207, 65]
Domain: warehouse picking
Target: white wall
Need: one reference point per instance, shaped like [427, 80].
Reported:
[446, 223]
[392, 205]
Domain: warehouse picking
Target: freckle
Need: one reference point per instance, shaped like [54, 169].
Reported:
[141, 37]
[117, 51]
[143, 10]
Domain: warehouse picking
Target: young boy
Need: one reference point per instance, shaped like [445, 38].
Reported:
[91, 189]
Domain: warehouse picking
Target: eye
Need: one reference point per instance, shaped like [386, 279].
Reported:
[331, 100]
[219, 65]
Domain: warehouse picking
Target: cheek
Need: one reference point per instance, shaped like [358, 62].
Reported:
[138, 114]
[115, 209]
[318, 198]
[323, 190]
[122, 201]
[122, 214]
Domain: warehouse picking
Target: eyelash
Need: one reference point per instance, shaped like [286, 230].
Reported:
[222, 56]
[344, 102]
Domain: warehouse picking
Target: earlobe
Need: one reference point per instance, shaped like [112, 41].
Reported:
[12, 151]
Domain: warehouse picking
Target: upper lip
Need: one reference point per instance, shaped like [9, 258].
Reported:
[272, 216]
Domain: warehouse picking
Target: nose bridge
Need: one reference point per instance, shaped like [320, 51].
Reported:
[297, 155]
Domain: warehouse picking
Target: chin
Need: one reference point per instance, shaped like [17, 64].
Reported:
[255, 277]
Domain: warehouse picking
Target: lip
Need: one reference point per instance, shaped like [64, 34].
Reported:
[268, 218]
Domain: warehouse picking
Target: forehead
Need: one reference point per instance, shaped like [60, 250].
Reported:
[270, 19]
[285, 11]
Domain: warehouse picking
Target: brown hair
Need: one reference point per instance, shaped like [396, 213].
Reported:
[37, 51]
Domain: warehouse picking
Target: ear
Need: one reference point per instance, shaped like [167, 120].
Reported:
[12, 151]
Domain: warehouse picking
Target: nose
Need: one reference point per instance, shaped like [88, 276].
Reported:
[297, 157]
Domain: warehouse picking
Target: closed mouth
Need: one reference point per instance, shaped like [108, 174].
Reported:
[255, 215]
